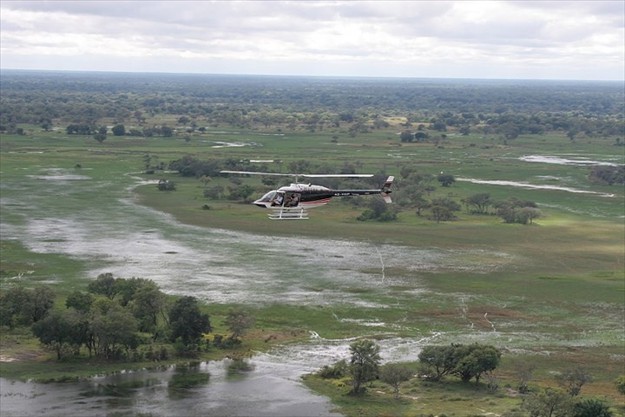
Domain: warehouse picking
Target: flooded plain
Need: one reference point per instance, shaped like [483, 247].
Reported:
[215, 265]
[98, 222]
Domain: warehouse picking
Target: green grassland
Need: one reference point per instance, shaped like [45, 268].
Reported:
[556, 298]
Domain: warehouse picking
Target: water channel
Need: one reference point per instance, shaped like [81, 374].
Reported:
[52, 210]
[76, 214]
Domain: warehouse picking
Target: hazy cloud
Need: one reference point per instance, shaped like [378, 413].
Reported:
[502, 39]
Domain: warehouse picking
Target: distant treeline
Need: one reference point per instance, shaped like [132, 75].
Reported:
[509, 107]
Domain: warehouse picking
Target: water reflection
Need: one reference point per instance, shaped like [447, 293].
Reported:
[185, 378]
[197, 389]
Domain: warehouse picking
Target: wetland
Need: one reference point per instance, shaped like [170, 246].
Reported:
[73, 208]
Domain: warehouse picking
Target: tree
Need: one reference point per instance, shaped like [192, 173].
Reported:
[406, 136]
[620, 384]
[79, 129]
[443, 209]
[572, 380]
[127, 288]
[446, 179]
[113, 330]
[591, 408]
[438, 361]
[549, 403]
[378, 210]
[147, 161]
[167, 131]
[439, 125]
[103, 285]
[514, 210]
[394, 374]
[119, 130]
[8, 307]
[187, 323]
[148, 302]
[238, 322]
[80, 301]
[54, 331]
[338, 370]
[21, 306]
[475, 360]
[100, 135]
[39, 302]
[465, 361]
[526, 215]
[166, 185]
[242, 192]
[607, 174]
[364, 363]
[480, 202]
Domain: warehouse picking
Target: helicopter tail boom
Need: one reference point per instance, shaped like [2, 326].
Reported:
[386, 190]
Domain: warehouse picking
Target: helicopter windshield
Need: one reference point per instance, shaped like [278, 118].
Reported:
[268, 197]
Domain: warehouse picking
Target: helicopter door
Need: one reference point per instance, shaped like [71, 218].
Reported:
[292, 199]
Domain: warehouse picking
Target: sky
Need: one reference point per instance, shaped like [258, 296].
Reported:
[566, 40]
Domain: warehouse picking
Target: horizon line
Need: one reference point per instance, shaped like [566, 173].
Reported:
[310, 75]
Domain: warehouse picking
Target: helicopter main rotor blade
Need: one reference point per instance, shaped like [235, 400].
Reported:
[298, 175]
[256, 173]
[336, 175]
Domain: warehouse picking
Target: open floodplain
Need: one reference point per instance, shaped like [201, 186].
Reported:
[548, 293]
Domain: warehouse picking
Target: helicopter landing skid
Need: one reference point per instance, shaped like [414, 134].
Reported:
[289, 213]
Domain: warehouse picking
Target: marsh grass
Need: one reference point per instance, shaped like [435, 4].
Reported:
[555, 296]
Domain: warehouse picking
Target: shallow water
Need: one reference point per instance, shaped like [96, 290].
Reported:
[579, 160]
[268, 390]
[97, 221]
[530, 186]
[118, 236]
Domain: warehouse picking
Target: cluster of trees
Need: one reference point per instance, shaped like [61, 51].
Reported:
[511, 125]
[166, 185]
[25, 306]
[505, 108]
[608, 175]
[512, 210]
[363, 366]
[468, 362]
[464, 361]
[118, 318]
[429, 130]
[99, 132]
[415, 188]
[565, 400]
[412, 191]
[379, 211]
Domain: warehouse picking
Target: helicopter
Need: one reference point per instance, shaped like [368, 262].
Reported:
[291, 202]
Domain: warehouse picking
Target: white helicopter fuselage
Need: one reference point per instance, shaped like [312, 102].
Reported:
[310, 196]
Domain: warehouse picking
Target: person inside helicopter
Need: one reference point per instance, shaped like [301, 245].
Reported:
[292, 200]
[278, 199]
